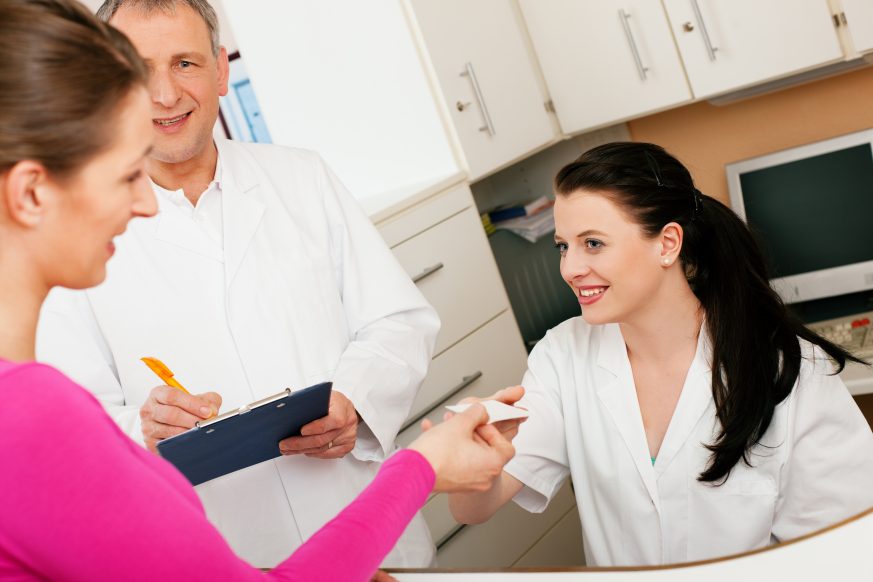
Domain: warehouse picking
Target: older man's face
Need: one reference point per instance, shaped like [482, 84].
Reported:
[186, 78]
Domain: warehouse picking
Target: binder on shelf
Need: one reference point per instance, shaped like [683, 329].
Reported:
[246, 436]
[533, 207]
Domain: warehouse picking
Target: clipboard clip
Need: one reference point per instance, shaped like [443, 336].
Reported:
[243, 409]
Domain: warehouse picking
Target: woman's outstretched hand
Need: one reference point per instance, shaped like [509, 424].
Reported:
[466, 453]
[511, 395]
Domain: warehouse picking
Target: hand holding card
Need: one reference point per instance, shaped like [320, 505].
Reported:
[497, 411]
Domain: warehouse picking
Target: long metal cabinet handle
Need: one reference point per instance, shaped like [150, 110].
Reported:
[710, 50]
[469, 72]
[641, 69]
[427, 272]
[465, 381]
[452, 533]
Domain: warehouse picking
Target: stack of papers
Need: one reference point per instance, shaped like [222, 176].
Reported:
[531, 228]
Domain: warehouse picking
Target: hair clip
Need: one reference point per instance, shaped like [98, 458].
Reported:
[696, 194]
[653, 165]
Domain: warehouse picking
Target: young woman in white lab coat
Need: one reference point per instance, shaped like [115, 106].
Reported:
[695, 415]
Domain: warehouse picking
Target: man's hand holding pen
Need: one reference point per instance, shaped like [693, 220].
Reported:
[169, 411]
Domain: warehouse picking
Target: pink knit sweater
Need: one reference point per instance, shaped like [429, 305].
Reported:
[81, 501]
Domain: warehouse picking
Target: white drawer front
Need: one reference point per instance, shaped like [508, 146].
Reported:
[455, 270]
[405, 225]
[505, 538]
[561, 547]
[491, 358]
[439, 519]
[442, 525]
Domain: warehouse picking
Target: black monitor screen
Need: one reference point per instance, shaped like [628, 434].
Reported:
[815, 213]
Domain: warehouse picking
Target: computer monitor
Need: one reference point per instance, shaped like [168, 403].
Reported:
[812, 207]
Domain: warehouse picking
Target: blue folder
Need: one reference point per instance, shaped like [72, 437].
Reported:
[246, 436]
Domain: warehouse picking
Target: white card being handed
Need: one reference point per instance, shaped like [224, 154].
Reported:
[497, 410]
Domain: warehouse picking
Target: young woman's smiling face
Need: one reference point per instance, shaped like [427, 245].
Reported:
[91, 208]
[614, 270]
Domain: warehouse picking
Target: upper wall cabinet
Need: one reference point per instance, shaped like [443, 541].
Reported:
[487, 77]
[731, 44]
[605, 61]
[859, 18]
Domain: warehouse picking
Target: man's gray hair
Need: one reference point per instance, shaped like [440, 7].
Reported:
[109, 7]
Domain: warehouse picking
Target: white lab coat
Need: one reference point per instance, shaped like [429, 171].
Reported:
[585, 422]
[305, 290]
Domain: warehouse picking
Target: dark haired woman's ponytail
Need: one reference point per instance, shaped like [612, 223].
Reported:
[756, 353]
[755, 347]
[745, 322]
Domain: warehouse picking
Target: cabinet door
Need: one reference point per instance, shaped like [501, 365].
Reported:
[560, 547]
[488, 78]
[453, 267]
[505, 538]
[859, 15]
[491, 358]
[730, 44]
[605, 60]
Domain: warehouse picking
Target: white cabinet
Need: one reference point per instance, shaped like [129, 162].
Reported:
[487, 77]
[731, 44]
[561, 547]
[480, 350]
[859, 19]
[605, 60]
[491, 358]
[507, 537]
[453, 266]
[443, 247]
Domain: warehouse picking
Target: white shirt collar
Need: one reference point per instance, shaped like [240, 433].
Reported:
[177, 197]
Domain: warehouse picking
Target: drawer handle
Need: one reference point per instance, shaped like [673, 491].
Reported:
[465, 381]
[452, 533]
[427, 272]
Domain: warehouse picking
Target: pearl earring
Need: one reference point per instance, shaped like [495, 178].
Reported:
[666, 262]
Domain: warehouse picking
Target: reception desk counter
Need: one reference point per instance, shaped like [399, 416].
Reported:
[840, 553]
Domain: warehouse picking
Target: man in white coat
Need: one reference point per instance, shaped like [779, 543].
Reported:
[259, 272]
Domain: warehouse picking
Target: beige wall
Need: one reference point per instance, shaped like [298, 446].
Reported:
[706, 137]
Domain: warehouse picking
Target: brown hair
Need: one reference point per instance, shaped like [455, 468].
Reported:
[109, 7]
[63, 74]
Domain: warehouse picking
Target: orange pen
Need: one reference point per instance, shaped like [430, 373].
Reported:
[163, 372]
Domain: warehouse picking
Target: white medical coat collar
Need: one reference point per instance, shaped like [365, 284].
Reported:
[242, 208]
[618, 394]
[242, 211]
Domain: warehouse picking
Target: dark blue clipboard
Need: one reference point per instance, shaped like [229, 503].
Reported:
[246, 436]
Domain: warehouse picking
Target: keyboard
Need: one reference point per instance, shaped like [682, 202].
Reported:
[854, 334]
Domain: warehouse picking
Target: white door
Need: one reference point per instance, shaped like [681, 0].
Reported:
[731, 44]
[488, 79]
[605, 60]
[859, 17]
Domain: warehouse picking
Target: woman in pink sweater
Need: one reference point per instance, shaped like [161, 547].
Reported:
[75, 128]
